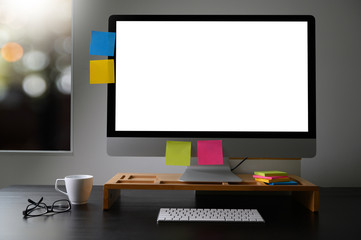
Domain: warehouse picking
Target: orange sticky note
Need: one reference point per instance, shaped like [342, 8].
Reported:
[102, 71]
[210, 152]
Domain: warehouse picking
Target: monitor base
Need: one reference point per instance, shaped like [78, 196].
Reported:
[209, 173]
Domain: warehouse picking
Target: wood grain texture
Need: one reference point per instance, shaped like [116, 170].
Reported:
[165, 181]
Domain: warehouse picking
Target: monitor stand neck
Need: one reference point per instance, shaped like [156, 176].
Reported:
[209, 173]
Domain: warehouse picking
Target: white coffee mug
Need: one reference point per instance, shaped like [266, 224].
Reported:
[78, 188]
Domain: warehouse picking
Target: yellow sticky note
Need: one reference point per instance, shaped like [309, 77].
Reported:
[102, 71]
[178, 153]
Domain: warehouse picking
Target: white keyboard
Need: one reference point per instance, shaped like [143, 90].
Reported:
[208, 215]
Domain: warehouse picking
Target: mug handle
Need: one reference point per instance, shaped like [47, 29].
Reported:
[56, 186]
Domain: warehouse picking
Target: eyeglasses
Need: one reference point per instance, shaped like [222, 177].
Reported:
[39, 208]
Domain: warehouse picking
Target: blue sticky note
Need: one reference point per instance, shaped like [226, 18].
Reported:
[284, 183]
[102, 43]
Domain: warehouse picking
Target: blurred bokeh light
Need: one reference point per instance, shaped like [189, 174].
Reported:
[35, 74]
[12, 51]
[35, 60]
[34, 85]
[63, 83]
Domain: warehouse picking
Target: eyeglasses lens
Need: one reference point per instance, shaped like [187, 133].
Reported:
[39, 210]
[61, 206]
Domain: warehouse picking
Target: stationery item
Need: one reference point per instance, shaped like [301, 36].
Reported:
[270, 173]
[102, 43]
[210, 152]
[273, 180]
[102, 71]
[78, 188]
[283, 183]
[272, 177]
[178, 153]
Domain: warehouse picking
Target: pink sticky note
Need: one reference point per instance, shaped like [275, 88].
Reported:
[210, 152]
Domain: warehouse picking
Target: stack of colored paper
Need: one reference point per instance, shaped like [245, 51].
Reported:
[273, 178]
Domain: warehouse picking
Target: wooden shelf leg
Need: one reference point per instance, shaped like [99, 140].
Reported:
[109, 197]
[310, 199]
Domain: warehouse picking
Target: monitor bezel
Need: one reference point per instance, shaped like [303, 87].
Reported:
[311, 134]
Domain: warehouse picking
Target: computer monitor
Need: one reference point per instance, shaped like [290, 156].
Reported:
[246, 80]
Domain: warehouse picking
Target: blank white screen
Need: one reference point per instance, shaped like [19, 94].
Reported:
[211, 76]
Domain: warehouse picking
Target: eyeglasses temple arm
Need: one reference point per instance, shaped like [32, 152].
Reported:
[31, 201]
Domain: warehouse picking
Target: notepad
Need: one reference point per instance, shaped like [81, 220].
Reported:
[284, 183]
[272, 180]
[102, 43]
[101, 71]
[178, 153]
[210, 152]
[270, 173]
[272, 177]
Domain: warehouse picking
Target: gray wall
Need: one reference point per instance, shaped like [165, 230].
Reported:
[338, 99]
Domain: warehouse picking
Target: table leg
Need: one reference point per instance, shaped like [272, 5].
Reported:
[109, 197]
[310, 199]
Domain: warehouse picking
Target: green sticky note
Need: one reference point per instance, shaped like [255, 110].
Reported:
[270, 173]
[178, 153]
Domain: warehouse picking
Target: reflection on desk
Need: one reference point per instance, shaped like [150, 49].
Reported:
[134, 216]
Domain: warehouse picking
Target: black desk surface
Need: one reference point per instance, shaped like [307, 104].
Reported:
[134, 216]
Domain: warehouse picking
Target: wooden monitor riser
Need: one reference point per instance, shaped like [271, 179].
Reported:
[305, 192]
